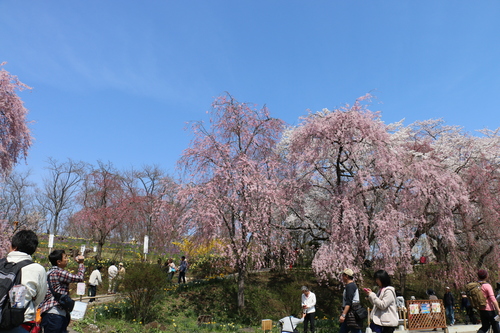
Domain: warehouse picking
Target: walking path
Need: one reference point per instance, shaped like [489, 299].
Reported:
[451, 329]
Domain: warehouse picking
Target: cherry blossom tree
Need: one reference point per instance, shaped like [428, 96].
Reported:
[15, 138]
[235, 190]
[153, 194]
[105, 205]
[364, 195]
[15, 135]
[475, 159]
[167, 210]
[479, 226]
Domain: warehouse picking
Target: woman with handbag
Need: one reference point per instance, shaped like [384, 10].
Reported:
[384, 316]
[171, 269]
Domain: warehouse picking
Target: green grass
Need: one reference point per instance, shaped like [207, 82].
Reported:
[268, 296]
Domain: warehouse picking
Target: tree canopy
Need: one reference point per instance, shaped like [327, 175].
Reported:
[15, 135]
[235, 190]
[342, 186]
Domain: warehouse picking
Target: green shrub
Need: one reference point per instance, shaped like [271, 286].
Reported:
[209, 265]
[144, 286]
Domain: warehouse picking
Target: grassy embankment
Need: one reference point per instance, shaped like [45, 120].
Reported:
[269, 295]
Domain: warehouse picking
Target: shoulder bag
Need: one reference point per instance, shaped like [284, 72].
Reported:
[66, 302]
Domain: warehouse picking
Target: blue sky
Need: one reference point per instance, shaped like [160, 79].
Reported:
[117, 80]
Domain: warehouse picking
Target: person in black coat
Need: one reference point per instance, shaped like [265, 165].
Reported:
[449, 305]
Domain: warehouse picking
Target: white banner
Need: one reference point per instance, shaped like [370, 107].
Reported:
[146, 244]
[51, 241]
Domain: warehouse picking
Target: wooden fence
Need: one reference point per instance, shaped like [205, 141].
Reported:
[424, 314]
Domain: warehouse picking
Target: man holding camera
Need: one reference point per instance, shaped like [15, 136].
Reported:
[55, 318]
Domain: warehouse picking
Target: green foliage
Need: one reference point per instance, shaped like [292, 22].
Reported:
[81, 325]
[118, 310]
[220, 327]
[262, 303]
[145, 286]
[267, 295]
[113, 326]
[209, 265]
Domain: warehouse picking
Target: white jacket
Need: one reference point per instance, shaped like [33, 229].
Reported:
[95, 278]
[289, 323]
[385, 311]
[309, 302]
[34, 277]
[112, 271]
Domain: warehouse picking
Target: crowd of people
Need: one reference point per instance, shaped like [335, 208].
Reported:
[386, 305]
[44, 292]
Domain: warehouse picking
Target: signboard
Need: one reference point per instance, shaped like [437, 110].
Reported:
[424, 314]
[80, 288]
[82, 250]
[79, 310]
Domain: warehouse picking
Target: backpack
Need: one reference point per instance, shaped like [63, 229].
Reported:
[10, 276]
[476, 295]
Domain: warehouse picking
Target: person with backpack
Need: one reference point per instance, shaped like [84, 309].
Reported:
[487, 312]
[32, 276]
[55, 318]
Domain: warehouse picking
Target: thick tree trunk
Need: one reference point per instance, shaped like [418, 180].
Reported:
[55, 223]
[101, 239]
[242, 274]
[402, 281]
[482, 256]
[98, 255]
